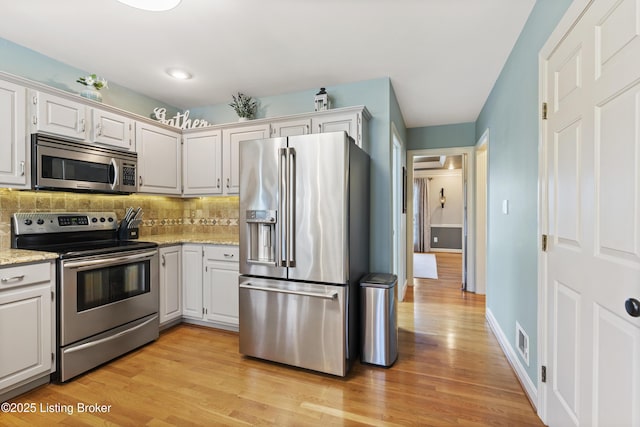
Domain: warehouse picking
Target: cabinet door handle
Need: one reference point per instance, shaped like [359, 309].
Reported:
[82, 123]
[140, 180]
[228, 185]
[22, 168]
[218, 185]
[99, 130]
[12, 279]
[164, 261]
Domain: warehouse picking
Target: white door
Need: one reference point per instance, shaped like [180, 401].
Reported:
[592, 145]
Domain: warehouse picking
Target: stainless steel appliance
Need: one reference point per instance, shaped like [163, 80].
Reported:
[59, 164]
[304, 244]
[106, 289]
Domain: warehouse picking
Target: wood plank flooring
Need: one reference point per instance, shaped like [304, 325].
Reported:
[450, 372]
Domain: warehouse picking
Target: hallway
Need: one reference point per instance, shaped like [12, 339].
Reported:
[444, 336]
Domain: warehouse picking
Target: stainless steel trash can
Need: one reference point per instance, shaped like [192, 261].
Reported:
[379, 318]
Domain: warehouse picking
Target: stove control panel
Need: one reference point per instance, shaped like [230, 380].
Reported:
[56, 222]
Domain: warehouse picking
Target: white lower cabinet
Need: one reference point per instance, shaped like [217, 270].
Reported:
[170, 283]
[210, 285]
[26, 326]
[192, 281]
[220, 281]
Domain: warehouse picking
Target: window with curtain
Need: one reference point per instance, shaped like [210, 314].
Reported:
[421, 220]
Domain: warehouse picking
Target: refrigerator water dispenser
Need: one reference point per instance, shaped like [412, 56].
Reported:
[262, 236]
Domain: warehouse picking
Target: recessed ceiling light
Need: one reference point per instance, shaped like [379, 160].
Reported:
[152, 5]
[179, 74]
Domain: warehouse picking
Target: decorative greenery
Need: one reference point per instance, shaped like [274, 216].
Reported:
[93, 80]
[244, 105]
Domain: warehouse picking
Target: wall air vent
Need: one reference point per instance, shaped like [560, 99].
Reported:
[522, 343]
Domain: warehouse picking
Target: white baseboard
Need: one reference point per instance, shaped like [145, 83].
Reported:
[513, 359]
[455, 251]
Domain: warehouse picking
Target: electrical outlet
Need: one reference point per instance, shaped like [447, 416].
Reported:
[435, 239]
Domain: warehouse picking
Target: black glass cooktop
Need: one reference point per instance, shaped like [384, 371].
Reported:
[82, 249]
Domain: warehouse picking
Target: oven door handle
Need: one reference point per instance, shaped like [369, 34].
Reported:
[110, 338]
[105, 262]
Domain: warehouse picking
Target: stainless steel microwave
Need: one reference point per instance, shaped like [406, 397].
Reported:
[60, 164]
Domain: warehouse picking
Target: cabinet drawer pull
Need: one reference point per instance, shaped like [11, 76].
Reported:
[228, 255]
[12, 279]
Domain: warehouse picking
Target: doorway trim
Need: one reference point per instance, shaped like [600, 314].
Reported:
[469, 248]
[570, 17]
[482, 211]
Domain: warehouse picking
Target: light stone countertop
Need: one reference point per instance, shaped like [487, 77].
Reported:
[177, 239]
[21, 256]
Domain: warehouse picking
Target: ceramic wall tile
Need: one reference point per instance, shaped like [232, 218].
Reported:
[162, 215]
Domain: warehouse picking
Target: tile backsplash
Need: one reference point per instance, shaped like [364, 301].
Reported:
[162, 215]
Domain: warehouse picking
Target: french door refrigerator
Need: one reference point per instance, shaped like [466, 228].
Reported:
[304, 245]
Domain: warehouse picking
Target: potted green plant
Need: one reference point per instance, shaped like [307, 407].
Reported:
[93, 84]
[244, 106]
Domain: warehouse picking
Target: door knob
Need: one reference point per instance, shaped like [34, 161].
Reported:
[632, 306]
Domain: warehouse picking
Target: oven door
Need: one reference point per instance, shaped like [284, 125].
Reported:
[103, 292]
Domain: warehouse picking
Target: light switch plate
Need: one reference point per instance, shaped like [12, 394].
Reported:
[505, 207]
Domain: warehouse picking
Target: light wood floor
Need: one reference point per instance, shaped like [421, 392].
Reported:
[450, 371]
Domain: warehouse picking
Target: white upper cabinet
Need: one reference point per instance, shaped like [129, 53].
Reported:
[159, 159]
[354, 121]
[231, 152]
[202, 163]
[13, 139]
[58, 116]
[112, 129]
[291, 127]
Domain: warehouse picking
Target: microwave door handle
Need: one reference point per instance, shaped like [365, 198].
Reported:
[113, 167]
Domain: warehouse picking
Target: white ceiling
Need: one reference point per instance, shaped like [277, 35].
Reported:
[442, 56]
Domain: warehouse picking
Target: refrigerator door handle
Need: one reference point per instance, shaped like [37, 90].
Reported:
[283, 167]
[291, 214]
[328, 295]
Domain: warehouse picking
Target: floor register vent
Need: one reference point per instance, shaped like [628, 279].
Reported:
[522, 341]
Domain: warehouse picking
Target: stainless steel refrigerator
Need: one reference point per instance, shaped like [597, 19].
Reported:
[304, 246]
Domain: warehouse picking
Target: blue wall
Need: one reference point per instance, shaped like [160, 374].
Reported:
[511, 114]
[443, 136]
[23, 62]
[378, 96]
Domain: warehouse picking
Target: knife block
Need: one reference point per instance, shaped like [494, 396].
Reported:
[126, 233]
